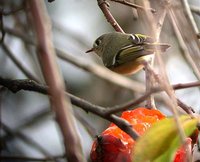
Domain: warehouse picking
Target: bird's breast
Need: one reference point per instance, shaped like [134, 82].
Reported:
[131, 67]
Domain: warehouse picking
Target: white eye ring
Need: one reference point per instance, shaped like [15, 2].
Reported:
[97, 42]
[135, 39]
[95, 45]
[132, 37]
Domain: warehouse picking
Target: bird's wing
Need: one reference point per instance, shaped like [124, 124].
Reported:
[130, 53]
[141, 39]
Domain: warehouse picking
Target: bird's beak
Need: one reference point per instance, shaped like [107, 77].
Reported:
[90, 50]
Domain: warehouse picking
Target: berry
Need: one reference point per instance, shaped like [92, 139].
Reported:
[114, 144]
[107, 148]
[181, 152]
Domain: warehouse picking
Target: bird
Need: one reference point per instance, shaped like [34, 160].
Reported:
[125, 53]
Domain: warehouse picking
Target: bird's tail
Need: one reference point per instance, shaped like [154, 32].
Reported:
[160, 46]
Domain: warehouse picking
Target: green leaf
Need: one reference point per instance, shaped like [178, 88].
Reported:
[189, 126]
[161, 140]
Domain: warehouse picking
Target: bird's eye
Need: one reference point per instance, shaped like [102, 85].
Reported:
[97, 42]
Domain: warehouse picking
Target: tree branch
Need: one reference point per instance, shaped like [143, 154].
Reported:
[124, 2]
[195, 9]
[60, 103]
[95, 69]
[103, 4]
[13, 11]
[180, 18]
[25, 139]
[102, 72]
[18, 63]
[17, 85]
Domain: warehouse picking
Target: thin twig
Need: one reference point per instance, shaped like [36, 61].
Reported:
[130, 104]
[124, 125]
[101, 111]
[13, 11]
[2, 28]
[30, 85]
[195, 9]
[25, 139]
[29, 39]
[186, 85]
[102, 72]
[85, 105]
[165, 84]
[18, 63]
[95, 69]
[152, 22]
[89, 127]
[103, 4]
[124, 2]
[189, 15]
[17, 85]
[186, 108]
[134, 11]
[60, 103]
[184, 49]
[180, 18]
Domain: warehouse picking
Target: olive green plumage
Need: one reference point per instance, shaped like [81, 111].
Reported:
[119, 49]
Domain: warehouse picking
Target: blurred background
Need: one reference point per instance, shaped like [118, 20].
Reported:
[28, 127]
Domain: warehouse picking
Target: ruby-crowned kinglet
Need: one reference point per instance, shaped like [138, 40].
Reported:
[125, 53]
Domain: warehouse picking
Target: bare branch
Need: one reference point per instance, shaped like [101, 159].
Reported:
[124, 2]
[164, 82]
[195, 9]
[13, 11]
[186, 108]
[60, 104]
[25, 139]
[185, 51]
[18, 63]
[30, 85]
[103, 4]
[95, 69]
[188, 14]
[102, 72]
[88, 107]
[2, 28]
[180, 18]
[186, 85]
[127, 105]
[85, 105]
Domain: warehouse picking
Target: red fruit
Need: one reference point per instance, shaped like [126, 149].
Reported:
[115, 145]
[181, 153]
[108, 148]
